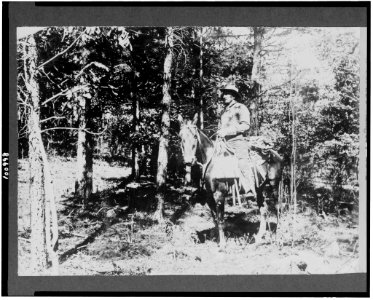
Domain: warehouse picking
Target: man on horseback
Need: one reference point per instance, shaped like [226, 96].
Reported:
[235, 120]
[233, 156]
[233, 128]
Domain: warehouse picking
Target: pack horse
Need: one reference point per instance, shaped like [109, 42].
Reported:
[198, 148]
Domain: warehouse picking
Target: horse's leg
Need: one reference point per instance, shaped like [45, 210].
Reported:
[195, 176]
[212, 205]
[263, 212]
[215, 216]
[188, 178]
[274, 186]
[238, 192]
[274, 175]
[232, 190]
[219, 198]
[279, 201]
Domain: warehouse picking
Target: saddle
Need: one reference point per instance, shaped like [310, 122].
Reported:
[263, 147]
[255, 151]
[226, 163]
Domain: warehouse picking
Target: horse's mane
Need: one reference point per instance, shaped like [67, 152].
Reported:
[205, 142]
[205, 137]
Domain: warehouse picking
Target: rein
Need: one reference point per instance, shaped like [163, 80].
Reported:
[196, 132]
[217, 147]
[195, 135]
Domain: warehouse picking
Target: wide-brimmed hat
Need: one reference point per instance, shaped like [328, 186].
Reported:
[231, 88]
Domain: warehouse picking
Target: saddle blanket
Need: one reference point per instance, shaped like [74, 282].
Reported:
[245, 159]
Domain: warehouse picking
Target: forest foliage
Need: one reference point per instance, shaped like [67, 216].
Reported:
[306, 76]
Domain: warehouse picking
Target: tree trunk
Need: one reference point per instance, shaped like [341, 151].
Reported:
[165, 126]
[255, 78]
[39, 253]
[135, 147]
[293, 184]
[293, 168]
[254, 130]
[44, 233]
[84, 182]
[258, 41]
[200, 118]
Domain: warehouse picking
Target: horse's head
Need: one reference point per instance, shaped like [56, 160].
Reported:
[193, 139]
[189, 140]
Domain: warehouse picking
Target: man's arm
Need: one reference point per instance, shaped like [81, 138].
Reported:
[242, 114]
[243, 117]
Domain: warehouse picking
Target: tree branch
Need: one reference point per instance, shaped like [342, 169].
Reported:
[55, 96]
[61, 53]
[75, 128]
[96, 133]
[65, 128]
[25, 78]
[354, 48]
[46, 75]
[23, 131]
[51, 118]
[228, 35]
[95, 63]
[74, 89]
[23, 102]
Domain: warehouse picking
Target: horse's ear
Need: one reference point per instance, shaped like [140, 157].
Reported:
[195, 119]
[180, 119]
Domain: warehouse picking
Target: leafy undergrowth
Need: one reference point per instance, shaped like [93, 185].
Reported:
[130, 242]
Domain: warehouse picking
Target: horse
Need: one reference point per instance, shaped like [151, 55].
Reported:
[198, 148]
[193, 160]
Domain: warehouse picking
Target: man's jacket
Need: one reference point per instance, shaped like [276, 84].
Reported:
[235, 119]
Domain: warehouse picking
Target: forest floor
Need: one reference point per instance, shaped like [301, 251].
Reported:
[117, 235]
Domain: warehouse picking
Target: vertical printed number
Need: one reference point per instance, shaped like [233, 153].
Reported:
[5, 162]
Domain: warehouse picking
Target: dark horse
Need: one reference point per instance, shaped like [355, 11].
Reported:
[198, 148]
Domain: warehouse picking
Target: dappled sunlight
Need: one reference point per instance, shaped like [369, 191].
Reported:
[189, 150]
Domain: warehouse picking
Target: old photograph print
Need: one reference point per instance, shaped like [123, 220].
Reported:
[188, 150]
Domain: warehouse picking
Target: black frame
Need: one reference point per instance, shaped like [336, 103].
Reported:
[330, 14]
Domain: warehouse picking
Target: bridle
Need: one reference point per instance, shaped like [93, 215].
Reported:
[194, 130]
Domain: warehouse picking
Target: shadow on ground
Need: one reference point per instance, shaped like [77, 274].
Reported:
[236, 226]
[116, 222]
